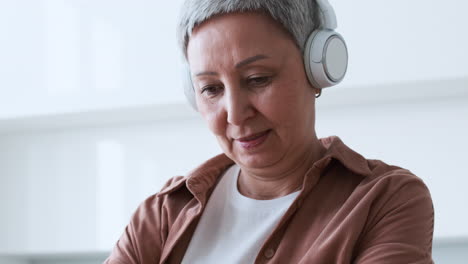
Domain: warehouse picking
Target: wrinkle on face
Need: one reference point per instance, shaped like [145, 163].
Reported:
[228, 48]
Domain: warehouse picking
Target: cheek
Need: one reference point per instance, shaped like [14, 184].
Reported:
[281, 101]
[291, 106]
[215, 121]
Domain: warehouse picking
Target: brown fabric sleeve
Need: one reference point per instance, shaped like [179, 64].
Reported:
[402, 230]
[143, 238]
[140, 242]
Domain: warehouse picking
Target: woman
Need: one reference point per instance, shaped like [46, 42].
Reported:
[278, 193]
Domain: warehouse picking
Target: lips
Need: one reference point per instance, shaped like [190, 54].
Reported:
[253, 137]
[254, 140]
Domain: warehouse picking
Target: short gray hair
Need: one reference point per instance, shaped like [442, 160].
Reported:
[298, 17]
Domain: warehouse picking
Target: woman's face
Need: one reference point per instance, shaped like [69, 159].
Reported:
[252, 90]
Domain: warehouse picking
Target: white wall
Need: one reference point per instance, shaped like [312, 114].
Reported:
[84, 183]
[64, 55]
[67, 55]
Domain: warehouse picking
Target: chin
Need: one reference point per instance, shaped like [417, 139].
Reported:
[262, 157]
[256, 161]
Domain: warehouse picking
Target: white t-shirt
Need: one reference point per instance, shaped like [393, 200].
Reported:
[234, 227]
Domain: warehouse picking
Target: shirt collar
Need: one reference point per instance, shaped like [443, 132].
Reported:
[202, 179]
[353, 161]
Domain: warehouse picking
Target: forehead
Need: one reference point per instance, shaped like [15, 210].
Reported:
[236, 36]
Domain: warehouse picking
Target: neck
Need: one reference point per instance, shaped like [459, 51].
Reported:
[280, 180]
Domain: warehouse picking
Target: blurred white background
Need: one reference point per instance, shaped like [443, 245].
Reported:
[93, 117]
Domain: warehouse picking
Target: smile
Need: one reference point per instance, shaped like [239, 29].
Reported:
[254, 140]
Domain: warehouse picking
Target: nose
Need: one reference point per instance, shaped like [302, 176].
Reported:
[238, 105]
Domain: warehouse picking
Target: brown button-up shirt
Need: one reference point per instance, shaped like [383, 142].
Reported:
[349, 210]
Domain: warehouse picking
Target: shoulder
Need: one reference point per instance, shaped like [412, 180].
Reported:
[149, 227]
[172, 197]
[396, 195]
[179, 190]
[393, 179]
[373, 183]
[152, 205]
[400, 215]
[375, 188]
[172, 185]
[154, 201]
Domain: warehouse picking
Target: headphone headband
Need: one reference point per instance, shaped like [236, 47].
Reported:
[327, 15]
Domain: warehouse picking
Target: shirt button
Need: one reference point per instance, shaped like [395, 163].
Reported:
[269, 253]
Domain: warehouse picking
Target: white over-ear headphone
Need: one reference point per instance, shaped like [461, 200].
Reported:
[325, 55]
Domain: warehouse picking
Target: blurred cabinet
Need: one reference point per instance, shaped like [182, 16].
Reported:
[74, 190]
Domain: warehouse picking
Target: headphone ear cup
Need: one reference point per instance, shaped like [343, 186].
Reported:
[325, 58]
[189, 90]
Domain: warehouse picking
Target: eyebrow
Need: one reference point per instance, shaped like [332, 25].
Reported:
[239, 64]
[206, 73]
[251, 59]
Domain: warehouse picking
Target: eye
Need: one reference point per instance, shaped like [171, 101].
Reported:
[211, 90]
[258, 80]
